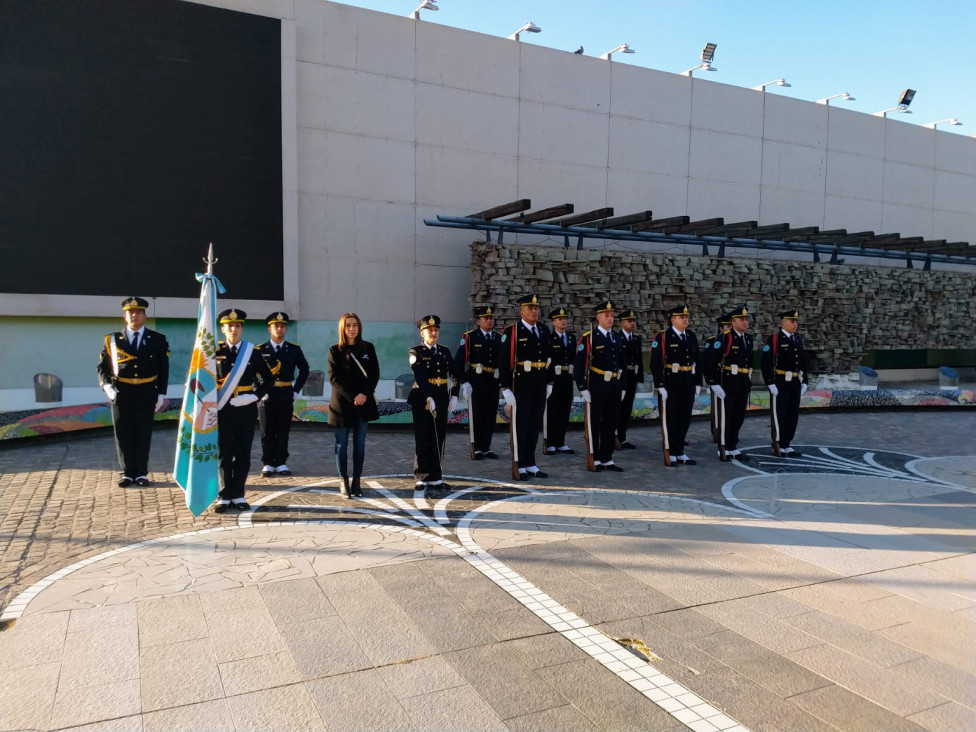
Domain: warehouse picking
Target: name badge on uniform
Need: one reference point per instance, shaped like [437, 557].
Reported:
[674, 368]
[527, 366]
[559, 369]
[607, 376]
[478, 369]
[789, 376]
[735, 369]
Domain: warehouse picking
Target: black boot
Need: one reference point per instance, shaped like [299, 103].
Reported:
[357, 490]
[344, 487]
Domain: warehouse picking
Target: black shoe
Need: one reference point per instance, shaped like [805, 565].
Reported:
[490, 455]
[125, 481]
[613, 467]
[242, 506]
[282, 472]
[741, 458]
[625, 445]
[525, 476]
[600, 468]
[550, 451]
[356, 489]
[344, 486]
[795, 453]
[566, 451]
[540, 474]
[142, 482]
[688, 462]
[479, 455]
[221, 508]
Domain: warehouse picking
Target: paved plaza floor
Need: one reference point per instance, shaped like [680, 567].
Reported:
[836, 591]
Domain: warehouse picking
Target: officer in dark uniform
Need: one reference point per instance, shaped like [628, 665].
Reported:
[476, 361]
[243, 377]
[598, 370]
[731, 379]
[708, 356]
[562, 345]
[677, 376]
[276, 409]
[133, 371]
[526, 379]
[431, 399]
[633, 374]
[784, 369]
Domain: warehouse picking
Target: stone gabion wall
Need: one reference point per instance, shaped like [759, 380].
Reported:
[844, 310]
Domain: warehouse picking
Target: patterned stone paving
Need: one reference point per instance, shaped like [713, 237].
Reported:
[762, 596]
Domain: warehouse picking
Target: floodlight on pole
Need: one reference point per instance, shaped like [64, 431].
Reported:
[707, 55]
[622, 48]
[906, 97]
[775, 82]
[425, 5]
[843, 96]
[947, 121]
[529, 27]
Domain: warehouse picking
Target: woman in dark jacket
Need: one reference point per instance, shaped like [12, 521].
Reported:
[354, 372]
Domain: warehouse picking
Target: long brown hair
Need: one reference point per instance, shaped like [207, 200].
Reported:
[343, 343]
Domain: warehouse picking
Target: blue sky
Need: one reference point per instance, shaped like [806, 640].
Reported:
[871, 48]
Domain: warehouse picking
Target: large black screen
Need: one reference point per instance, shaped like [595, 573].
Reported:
[132, 134]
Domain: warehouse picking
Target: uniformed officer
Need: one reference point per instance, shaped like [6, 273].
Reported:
[431, 399]
[731, 380]
[708, 356]
[276, 409]
[675, 365]
[633, 374]
[238, 367]
[476, 361]
[526, 379]
[562, 345]
[598, 369]
[133, 371]
[784, 369]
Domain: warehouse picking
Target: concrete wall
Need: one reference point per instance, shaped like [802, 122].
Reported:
[387, 121]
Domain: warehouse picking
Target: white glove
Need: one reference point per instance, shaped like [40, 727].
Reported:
[774, 390]
[110, 391]
[242, 400]
[803, 389]
[265, 398]
[548, 390]
[452, 405]
[160, 403]
[587, 397]
[431, 406]
[466, 390]
[697, 390]
[662, 392]
[509, 397]
[718, 391]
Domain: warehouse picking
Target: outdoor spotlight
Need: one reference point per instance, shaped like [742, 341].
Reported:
[529, 27]
[775, 82]
[708, 53]
[622, 48]
[425, 5]
[843, 96]
[906, 97]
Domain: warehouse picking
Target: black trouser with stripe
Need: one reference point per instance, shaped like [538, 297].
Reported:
[737, 389]
[530, 406]
[679, 405]
[132, 418]
[428, 435]
[235, 436]
[484, 405]
[275, 416]
[626, 405]
[604, 415]
[558, 410]
[787, 409]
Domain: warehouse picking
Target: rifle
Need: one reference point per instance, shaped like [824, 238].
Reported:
[467, 360]
[512, 429]
[773, 417]
[588, 431]
[662, 404]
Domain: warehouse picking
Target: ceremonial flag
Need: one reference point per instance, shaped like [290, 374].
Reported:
[197, 469]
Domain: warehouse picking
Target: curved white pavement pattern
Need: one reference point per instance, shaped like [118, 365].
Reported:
[854, 590]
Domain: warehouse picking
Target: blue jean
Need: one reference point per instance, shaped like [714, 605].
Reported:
[358, 448]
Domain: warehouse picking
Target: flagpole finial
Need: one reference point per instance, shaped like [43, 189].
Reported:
[210, 260]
